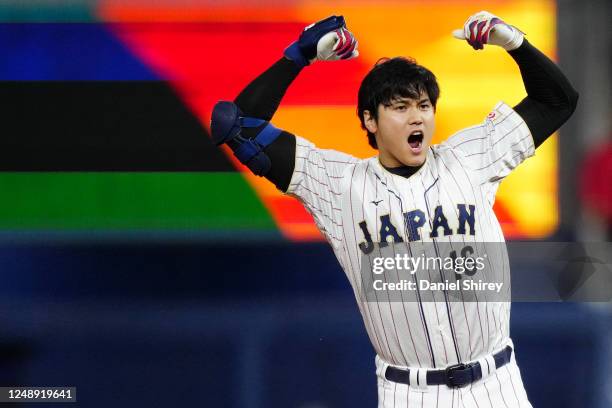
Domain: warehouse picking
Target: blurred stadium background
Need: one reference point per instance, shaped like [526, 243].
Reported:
[147, 268]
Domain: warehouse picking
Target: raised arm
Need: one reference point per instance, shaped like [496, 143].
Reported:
[244, 124]
[551, 99]
[260, 99]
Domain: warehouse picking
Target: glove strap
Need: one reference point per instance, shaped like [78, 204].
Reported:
[293, 53]
[516, 41]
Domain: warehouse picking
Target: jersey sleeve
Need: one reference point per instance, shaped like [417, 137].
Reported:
[316, 183]
[496, 147]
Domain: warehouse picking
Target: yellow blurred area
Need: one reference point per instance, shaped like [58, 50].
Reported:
[329, 127]
[471, 82]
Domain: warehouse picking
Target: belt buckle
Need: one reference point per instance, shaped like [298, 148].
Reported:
[450, 379]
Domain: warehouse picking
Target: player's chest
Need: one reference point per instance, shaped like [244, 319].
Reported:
[417, 209]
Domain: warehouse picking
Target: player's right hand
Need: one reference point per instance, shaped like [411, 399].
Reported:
[325, 40]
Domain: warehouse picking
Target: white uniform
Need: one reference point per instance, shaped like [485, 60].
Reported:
[356, 202]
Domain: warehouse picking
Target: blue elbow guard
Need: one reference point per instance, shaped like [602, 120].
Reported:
[226, 125]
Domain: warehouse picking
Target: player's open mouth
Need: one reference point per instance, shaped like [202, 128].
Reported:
[415, 140]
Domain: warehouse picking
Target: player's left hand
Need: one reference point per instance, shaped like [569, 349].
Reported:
[486, 28]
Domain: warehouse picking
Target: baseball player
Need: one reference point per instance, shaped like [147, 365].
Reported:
[440, 353]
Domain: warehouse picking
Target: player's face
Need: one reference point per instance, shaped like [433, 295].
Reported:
[403, 131]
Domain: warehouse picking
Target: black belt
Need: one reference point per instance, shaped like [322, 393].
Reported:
[455, 376]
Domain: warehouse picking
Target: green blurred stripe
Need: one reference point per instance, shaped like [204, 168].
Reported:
[45, 11]
[110, 201]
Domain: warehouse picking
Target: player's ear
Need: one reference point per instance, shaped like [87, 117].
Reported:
[369, 122]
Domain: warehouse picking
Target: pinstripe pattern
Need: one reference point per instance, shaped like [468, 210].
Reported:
[351, 198]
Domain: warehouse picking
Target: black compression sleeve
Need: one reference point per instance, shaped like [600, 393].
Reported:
[260, 99]
[282, 155]
[550, 100]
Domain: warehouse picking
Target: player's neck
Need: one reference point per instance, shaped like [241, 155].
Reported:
[403, 171]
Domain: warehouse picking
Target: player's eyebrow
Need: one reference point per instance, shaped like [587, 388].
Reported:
[408, 100]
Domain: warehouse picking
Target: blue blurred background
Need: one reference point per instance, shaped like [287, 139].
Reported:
[181, 325]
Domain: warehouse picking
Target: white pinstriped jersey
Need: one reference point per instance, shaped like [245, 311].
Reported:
[356, 201]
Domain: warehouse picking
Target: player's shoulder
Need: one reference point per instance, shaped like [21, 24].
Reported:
[459, 138]
[358, 169]
[359, 172]
[332, 164]
[501, 117]
[501, 113]
[456, 145]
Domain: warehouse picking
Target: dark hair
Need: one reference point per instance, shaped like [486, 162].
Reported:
[392, 78]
